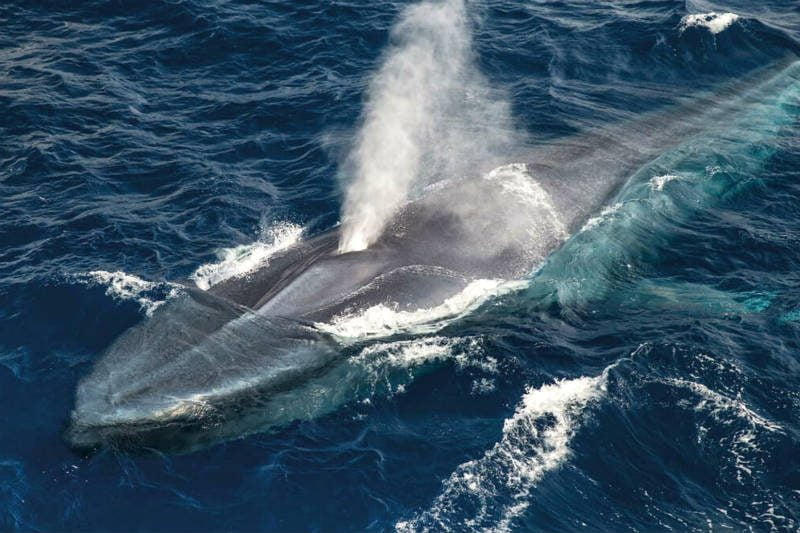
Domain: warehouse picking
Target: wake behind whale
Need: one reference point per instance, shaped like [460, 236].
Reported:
[220, 363]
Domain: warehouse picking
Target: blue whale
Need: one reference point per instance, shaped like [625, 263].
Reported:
[208, 365]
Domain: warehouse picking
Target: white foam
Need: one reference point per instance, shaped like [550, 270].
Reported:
[382, 320]
[496, 489]
[483, 386]
[721, 405]
[122, 286]
[240, 260]
[604, 215]
[714, 22]
[395, 364]
[657, 183]
[743, 443]
[405, 353]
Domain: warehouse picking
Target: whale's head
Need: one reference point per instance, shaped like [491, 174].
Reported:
[183, 376]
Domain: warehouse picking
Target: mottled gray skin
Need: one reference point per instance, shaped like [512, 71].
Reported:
[204, 364]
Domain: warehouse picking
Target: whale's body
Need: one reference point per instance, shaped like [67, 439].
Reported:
[206, 354]
[206, 365]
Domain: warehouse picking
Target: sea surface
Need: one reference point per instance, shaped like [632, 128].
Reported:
[643, 378]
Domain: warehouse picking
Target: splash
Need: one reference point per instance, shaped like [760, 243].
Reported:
[606, 214]
[426, 107]
[240, 260]
[714, 22]
[150, 295]
[657, 183]
[540, 215]
[495, 489]
[392, 366]
[383, 320]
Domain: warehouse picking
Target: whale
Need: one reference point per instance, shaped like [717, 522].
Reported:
[205, 359]
[210, 365]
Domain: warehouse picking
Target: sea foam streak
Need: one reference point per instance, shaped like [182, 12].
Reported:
[490, 492]
[742, 443]
[240, 260]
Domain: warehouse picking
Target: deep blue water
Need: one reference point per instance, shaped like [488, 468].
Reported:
[645, 380]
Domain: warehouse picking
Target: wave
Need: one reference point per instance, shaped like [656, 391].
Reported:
[243, 259]
[123, 286]
[604, 215]
[743, 441]
[706, 170]
[490, 492]
[657, 183]
[383, 320]
[714, 22]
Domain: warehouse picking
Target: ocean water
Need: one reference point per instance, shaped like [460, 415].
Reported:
[644, 377]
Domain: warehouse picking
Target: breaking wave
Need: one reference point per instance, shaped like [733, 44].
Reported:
[742, 442]
[122, 286]
[382, 320]
[604, 215]
[240, 260]
[490, 492]
[658, 182]
[714, 22]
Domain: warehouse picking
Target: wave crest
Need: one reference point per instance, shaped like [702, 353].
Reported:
[123, 286]
[714, 22]
[496, 488]
[240, 260]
